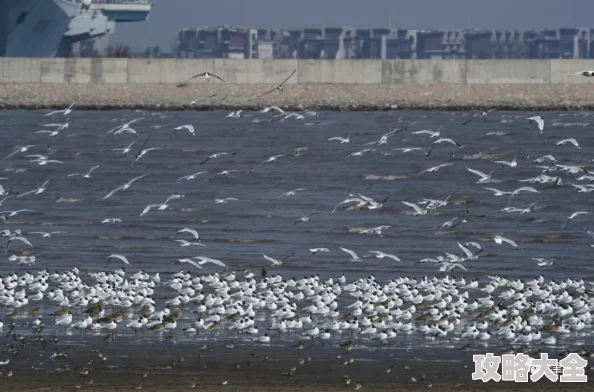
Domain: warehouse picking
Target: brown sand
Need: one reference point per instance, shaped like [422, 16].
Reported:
[299, 97]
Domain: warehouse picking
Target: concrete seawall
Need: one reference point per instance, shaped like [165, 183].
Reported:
[171, 71]
[320, 84]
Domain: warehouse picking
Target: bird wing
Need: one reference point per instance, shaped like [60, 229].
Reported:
[289, 77]
[196, 76]
[148, 208]
[471, 119]
[218, 77]
[214, 261]
[112, 192]
[135, 179]
[144, 144]
[424, 132]
[412, 205]
[119, 257]
[273, 261]
[350, 252]
[478, 173]
[191, 231]
[466, 251]
[268, 92]
[22, 239]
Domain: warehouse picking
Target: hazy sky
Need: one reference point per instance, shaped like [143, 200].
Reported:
[169, 16]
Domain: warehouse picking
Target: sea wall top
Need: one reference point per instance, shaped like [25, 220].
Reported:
[273, 71]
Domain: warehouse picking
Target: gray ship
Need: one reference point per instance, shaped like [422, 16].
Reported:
[48, 28]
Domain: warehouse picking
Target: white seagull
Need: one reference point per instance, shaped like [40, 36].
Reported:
[575, 214]
[500, 240]
[127, 149]
[436, 168]
[122, 258]
[36, 191]
[189, 128]
[380, 255]
[191, 176]
[125, 127]
[124, 187]
[64, 112]
[587, 74]
[538, 120]
[570, 140]
[342, 140]
[193, 232]
[428, 132]
[20, 149]
[88, 174]
[354, 257]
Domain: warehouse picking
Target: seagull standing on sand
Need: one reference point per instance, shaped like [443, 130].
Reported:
[280, 87]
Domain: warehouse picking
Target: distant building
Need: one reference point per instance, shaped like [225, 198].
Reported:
[332, 42]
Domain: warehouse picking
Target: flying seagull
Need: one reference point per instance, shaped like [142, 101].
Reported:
[122, 258]
[538, 120]
[64, 112]
[206, 75]
[143, 151]
[280, 86]
[582, 73]
[483, 115]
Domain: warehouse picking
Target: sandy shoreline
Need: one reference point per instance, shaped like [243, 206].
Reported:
[299, 97]
[167, 366]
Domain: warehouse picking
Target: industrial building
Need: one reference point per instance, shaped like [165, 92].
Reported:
[385, 43]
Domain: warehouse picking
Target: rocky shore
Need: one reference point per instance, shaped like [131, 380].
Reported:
[298, 97]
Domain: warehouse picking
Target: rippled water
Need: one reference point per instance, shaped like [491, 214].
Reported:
[262, 220]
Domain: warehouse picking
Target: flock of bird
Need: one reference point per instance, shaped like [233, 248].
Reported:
[264, 304]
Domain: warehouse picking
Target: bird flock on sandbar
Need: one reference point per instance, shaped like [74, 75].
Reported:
[206, 297]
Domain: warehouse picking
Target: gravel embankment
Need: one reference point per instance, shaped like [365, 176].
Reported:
[298, 97]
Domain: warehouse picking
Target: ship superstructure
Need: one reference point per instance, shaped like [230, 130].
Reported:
[48, 28]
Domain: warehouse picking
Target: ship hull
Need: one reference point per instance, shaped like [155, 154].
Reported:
[33, 28]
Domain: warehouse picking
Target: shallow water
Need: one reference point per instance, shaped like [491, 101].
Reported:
[261, 220]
